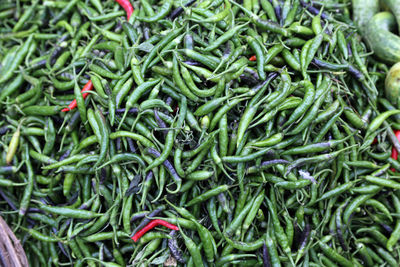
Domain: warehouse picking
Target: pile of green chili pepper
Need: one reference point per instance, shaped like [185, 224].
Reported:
[257, 131]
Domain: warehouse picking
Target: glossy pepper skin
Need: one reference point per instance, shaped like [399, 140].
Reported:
[151, 225]
[257, 123]
[88, 87]
[127, 6]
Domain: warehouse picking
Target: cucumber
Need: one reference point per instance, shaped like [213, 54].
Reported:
[392, 85]
[386, 45]
[363, 11]
[394, 6]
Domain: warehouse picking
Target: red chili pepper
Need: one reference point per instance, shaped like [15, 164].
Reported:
[395, 154]
[253, 58]
[88, 87]
[151, 225]
[127, 6]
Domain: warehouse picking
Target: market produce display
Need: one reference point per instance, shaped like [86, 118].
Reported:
[201, 132]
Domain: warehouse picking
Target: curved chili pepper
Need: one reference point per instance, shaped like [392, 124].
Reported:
[253, 58]
[395, 154]
[151, 225]
[126, 5]
[88, 87]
